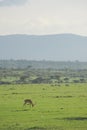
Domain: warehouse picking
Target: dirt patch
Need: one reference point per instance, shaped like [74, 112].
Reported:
[76, 118]
[73, 118]
[36, 128]
[64, 96]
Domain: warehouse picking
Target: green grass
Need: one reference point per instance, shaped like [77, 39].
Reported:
[56, 108]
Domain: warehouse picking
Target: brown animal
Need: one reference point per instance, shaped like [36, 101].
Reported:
[28, 102]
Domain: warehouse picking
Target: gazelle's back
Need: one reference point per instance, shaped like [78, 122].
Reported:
[28, 101]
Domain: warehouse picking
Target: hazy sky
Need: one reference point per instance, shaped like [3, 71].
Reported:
[43, 16]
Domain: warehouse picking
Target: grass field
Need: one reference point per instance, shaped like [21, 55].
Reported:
[56, 107]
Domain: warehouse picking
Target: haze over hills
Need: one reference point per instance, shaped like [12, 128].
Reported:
[60, 47]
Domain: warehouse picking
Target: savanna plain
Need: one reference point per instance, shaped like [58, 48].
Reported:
[55, 107]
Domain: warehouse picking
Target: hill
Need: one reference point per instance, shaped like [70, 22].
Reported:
[61, 47]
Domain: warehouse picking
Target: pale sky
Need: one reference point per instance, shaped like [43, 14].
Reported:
[40, 17]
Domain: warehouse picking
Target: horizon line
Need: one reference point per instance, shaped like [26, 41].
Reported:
[43, 34]
[45, 60]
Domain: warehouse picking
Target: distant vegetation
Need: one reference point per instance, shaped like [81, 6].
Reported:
[22, 64]
[37, 72]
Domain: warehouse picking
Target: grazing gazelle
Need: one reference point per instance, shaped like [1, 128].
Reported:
[29, 102]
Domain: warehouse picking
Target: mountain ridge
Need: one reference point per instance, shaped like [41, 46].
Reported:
[44, 47]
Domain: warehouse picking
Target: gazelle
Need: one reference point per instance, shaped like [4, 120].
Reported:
[29, 102]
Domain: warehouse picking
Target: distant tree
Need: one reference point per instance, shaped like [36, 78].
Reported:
[76, 81]
[66, 79]
[29, 66]
[82, 80]
[39, 80]
[23, 78]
